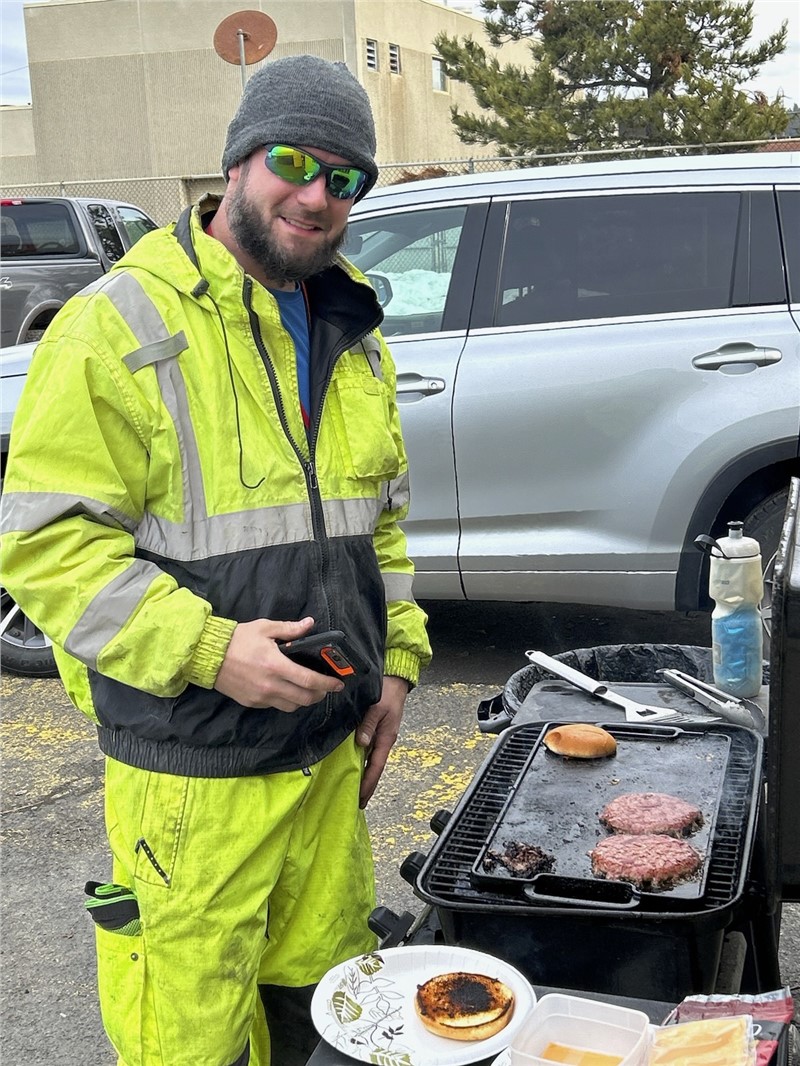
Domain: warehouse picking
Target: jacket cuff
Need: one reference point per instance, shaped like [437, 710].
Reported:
[210, 651]
[401, 663]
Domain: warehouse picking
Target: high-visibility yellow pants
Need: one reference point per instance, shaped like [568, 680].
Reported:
[240, 882]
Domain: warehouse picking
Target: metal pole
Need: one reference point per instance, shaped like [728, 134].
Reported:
[241, 35]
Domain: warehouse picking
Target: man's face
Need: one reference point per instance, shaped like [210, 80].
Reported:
[289, 231]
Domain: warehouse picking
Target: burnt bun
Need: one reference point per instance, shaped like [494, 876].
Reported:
[464, 1006]
[579, 740]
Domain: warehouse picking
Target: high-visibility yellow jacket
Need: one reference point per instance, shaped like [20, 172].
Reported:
[161, 487]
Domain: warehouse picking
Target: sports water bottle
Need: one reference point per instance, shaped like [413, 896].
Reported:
[737, 588]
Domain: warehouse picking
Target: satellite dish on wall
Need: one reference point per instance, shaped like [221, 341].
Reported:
[245, 37]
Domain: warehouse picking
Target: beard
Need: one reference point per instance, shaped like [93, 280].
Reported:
[254, 235]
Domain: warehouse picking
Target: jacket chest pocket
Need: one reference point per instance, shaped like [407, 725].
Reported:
[362, 425]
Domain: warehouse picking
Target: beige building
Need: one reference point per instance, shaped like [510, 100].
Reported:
[134, 88]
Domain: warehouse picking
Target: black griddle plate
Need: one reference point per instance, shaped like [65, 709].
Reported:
[555, 804]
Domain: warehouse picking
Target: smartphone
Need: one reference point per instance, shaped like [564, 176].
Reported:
[327, 653]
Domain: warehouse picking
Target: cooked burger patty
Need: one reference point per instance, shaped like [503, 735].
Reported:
[520, 859]
[648, 860]
[651, 812]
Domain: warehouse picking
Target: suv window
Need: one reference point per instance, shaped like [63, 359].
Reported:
[634, 254]
[38, 229]
[136, 223]
[415, 252]
[109, 238]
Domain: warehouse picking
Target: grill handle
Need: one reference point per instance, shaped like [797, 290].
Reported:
[493, 714]
[608, 895]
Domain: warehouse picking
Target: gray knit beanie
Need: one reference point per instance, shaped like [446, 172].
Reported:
[304, 100]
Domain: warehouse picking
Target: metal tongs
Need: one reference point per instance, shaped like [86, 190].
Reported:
[721, 703]
[634, 712]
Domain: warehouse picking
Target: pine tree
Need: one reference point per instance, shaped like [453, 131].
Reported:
[615, 73]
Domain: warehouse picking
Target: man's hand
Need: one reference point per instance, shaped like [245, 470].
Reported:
[378, 732]
[256, 673]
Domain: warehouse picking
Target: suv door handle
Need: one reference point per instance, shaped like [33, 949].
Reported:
[736, 353]
[419, 385]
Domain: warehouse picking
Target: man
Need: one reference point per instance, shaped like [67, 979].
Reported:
[207, 461]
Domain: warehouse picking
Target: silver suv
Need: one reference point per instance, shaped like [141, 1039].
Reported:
[596, 363]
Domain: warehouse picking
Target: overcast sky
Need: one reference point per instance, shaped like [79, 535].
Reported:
[782, 74]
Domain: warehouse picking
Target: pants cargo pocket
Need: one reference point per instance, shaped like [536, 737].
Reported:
[121, 985]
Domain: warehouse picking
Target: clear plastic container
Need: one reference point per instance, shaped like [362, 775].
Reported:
[585, 1026]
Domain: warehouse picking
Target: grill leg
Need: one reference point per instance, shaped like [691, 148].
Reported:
[762, 970]
[731, 964]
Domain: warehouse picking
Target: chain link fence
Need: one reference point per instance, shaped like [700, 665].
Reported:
[164, 198]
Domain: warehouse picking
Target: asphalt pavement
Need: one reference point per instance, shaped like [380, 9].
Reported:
[52, 807]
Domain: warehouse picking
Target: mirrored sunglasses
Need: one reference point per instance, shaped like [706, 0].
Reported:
[300, 167]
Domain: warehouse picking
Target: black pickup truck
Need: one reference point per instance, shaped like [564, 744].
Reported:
[50, 248]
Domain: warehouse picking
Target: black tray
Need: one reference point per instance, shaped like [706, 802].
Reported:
[555, 803]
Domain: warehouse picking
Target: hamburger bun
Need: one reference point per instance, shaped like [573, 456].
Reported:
[580, 740]
[464, 1006]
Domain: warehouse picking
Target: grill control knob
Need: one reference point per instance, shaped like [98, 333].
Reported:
[411, 866]
[440, 820]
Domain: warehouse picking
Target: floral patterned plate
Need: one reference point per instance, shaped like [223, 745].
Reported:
[365, 1007]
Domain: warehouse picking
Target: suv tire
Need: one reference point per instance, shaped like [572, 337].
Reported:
[24, 649]
[764, 524]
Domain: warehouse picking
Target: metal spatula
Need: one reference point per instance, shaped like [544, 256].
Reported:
[634, 712]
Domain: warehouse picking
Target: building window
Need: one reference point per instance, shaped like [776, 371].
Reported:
[394, 59]
[439, 75]
[372, 55]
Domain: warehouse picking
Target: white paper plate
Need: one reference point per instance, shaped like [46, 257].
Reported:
[365, 1006]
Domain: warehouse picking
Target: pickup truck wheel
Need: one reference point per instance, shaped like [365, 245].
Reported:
[764, 523]
[24, 649]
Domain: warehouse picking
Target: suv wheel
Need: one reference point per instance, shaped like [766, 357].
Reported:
[764, 523]
[24, 649]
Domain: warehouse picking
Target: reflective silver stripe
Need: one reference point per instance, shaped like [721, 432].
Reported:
[173, 393]
[134, 305]
[24, 512]
[351, 518]
[398, 493]
[155, 352]
[371, 347]
[398, 587]
[263, 527]
[145, 322]
[224, 534]
[109, 611]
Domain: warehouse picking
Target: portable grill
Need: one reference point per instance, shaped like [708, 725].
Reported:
[585, 932]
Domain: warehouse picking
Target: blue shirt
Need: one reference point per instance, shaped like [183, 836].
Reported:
[292, 307]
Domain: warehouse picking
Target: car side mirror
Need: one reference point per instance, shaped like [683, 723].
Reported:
[382, 287]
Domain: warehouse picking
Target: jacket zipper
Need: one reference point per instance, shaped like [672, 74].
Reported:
[308, 464]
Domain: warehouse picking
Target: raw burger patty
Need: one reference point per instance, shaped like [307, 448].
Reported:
[651, 812]
[647, 860]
